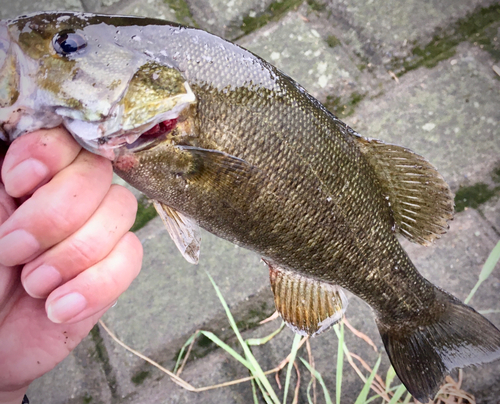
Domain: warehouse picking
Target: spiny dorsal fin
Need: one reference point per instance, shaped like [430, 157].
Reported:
[183, 230]
[420, 199]
[307, 306]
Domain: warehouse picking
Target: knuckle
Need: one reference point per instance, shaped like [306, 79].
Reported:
[61, 220]
[83, 253]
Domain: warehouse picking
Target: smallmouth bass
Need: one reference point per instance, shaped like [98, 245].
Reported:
[221, 139]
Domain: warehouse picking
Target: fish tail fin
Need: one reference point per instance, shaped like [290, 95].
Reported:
[451, 334]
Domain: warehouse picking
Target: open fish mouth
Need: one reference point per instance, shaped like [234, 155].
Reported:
[113, 145]
[119, 134]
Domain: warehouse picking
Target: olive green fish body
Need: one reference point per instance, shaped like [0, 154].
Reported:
[310, 202]
[220, 138]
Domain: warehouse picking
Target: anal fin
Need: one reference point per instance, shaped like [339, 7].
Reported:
[183, 230]
[307, 306]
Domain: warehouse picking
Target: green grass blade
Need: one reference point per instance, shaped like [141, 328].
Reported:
[407, 399]
[309, 398]
[267, 399]
[488, 267]
[254, 367]
[295, 346]
[398, 394]
[265, 340]
[216, 340]
[180, 357]
[373, 398]
[366, 388]
[254, 393]
[389, 377]
[317, 375]
[340, 361]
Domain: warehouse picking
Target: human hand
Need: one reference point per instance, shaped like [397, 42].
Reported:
[65, 253]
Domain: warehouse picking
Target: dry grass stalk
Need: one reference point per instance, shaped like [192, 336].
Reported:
[297, 385]
[310, 359]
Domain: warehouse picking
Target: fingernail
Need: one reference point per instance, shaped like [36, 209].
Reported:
[67, 307]
[16, 247]
[24, 177]
[41, 281]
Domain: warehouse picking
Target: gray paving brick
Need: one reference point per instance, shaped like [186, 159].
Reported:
[80, 378]
[491, 210]
[10, 9]
[226, 17]
[448, 114]
[299, 50]
[143, 8]
[176, 298]
[386, 30]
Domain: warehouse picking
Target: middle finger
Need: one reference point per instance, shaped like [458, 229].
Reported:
[56, 210]
[84, 248]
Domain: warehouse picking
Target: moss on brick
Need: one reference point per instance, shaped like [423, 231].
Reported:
[473, 196]
[479, 28]
[273, 12]
[139, 377]
[145, 212]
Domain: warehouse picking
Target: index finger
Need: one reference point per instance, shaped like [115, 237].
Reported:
[34, 158]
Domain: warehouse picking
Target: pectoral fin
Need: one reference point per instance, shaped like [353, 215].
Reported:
[217, 168]
[420, 199]
[307, 306]
[184, 231]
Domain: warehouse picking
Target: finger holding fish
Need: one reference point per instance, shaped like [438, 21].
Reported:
[55, 210]
[35, 333]
[98, 286]
[33, 159]
[89, 245]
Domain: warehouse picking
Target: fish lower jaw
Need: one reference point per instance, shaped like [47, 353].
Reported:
[16, 121]
[119, 143]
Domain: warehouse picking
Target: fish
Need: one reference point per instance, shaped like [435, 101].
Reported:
[220, 139]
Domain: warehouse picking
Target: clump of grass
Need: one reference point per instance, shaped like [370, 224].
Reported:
[384, 391]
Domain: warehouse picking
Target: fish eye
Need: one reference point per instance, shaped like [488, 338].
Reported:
[68, 42]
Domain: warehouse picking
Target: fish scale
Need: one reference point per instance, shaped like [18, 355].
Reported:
[221, 139]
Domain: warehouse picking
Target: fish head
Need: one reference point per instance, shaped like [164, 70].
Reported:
[84, 72]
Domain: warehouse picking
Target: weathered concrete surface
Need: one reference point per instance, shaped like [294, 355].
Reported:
[388, 30]
[80, 378]
[176, 298]
[300, 51]
[491, 211]
[454, 263]
[141, 8]
[9, 9]
[448, 113]
[227, 18]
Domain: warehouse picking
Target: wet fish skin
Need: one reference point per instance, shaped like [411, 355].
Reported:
[258, 161]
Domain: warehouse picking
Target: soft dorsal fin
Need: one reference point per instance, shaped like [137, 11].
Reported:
[420, 199]
[307, 306]
[183, 230]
